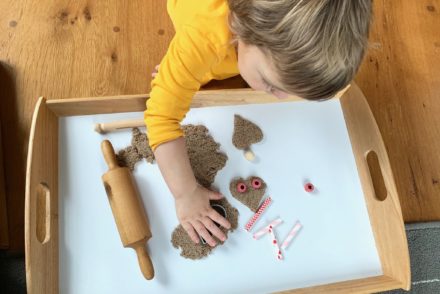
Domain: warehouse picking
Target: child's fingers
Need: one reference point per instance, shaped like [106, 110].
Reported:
[209, 224]
[156, 71]
[214, 195]
[191, 232]
[215, 216]
[203, 232]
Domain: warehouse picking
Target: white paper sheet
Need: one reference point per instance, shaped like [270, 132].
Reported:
[302, 141]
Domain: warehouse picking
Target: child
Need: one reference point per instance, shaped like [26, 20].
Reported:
[310, 48]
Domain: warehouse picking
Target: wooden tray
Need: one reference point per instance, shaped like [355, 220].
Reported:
[41, 211]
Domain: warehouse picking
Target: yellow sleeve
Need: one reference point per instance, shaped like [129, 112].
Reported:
[189, 57]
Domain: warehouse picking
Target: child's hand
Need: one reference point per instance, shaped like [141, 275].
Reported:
[155, 71]
[197, 216]
[192, 201]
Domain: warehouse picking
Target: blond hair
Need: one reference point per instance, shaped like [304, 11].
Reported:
[316, 46]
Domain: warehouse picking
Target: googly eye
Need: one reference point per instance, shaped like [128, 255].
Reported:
[256, 183]
[241, 187]
[309, 187]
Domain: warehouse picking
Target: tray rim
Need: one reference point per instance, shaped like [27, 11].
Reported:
[42, 167]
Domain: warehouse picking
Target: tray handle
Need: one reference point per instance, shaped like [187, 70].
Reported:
[378, 186]
[41, 202]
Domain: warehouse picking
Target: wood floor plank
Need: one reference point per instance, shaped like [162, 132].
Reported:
[60, 49]
[401, 80]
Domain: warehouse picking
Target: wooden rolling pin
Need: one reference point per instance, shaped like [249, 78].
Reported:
[127, 209]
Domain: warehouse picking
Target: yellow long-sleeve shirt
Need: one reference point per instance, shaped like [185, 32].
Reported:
[200, 51]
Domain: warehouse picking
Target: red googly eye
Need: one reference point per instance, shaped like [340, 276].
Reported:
[309, 187]
[241, 187]
[256, 183]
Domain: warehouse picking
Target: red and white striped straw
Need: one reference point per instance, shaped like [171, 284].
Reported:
[255, 217]
[264, 230]
[274, 241]
[291, 235]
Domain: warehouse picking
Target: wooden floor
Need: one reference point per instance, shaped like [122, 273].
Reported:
[82, 48]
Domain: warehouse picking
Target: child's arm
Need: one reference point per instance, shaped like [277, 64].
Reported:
[190, 56]
[192, 201]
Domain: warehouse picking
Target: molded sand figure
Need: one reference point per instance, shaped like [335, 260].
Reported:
[204, 155]
[248, 191]
[245, 134]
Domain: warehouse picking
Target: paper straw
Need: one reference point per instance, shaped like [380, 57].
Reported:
[255, 217]
[261, 232]
[274, 241]
[291, 235]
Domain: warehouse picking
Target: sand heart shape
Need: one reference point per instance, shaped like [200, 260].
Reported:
[245, 133]
[248, 191]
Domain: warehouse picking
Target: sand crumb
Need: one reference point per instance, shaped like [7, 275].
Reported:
[141, 143]
[140, 148]
[128, 157]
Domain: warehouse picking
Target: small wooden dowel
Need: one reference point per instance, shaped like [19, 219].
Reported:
[103, 128]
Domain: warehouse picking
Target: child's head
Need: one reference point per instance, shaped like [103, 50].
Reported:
[310, 48]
